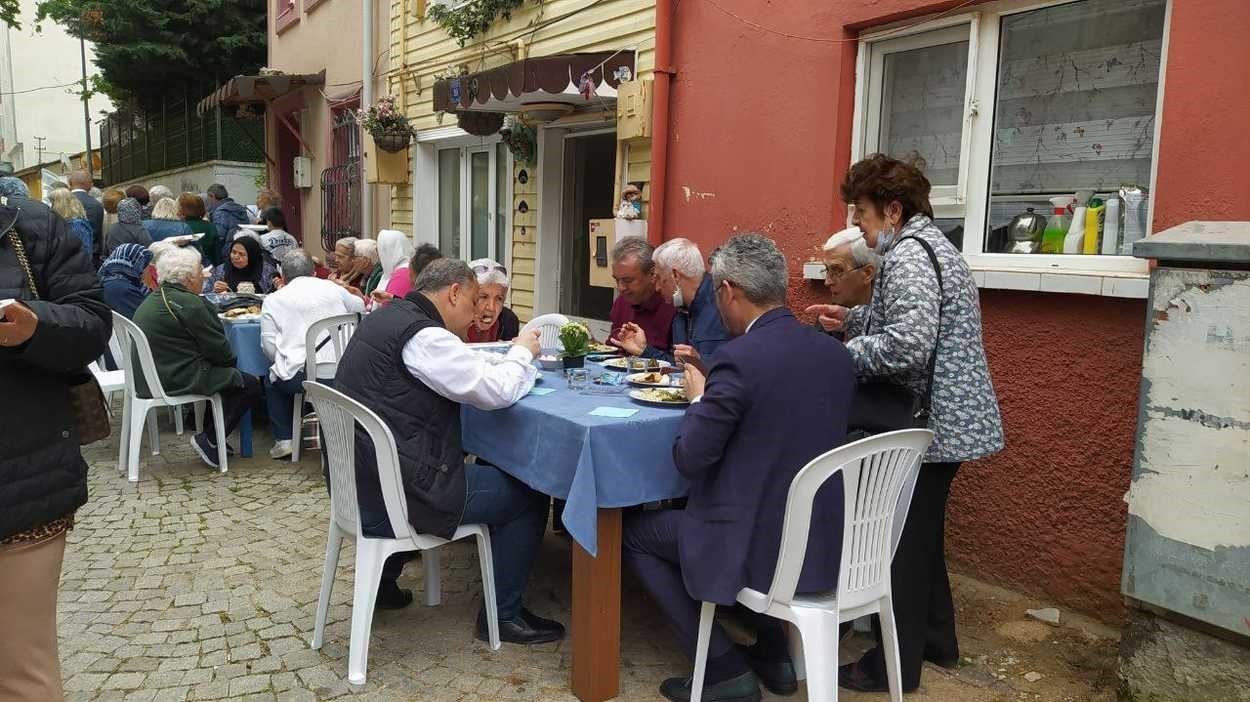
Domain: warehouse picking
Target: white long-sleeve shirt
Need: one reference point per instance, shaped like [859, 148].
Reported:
[286, 315]
[450, 368]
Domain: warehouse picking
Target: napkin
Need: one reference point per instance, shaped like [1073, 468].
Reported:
[542, 391]
[619, 412]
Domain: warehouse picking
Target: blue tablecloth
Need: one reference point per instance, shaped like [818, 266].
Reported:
[244, 338]
[553, 444]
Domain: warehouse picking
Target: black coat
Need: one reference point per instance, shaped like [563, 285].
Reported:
[42, 473]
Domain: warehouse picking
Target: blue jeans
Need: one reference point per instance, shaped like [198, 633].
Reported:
[280, 401]
[517, 518]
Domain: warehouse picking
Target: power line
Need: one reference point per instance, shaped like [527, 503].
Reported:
[46, 87]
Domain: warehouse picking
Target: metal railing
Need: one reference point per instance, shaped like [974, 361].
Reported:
[340, 183]
[134, 144]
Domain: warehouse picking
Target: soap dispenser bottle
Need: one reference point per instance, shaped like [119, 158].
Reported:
[1057, 225]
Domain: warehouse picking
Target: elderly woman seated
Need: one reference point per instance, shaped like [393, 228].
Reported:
[189, 346]
[339, 261]
[246, 267]
[494, 321]
[125, 279]
[166, 221]
[363, 266]
[850, 266]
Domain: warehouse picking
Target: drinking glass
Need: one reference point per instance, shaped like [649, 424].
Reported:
[578, 378]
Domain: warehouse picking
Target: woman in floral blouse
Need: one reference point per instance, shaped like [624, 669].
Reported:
[910, 318]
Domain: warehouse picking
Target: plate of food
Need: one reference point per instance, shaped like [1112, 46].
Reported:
[602, 348]
[669, 397]
[623, 364]
[184, 239]
[653, 379]
[250, 313]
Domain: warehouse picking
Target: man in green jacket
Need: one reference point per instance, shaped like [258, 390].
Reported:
[189, 346]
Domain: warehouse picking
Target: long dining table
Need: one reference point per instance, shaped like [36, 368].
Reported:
[578, 446]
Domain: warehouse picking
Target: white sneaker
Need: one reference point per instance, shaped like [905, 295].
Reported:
[281, 449]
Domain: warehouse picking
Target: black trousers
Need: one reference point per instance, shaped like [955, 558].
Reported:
[236, 401]
[923, 609]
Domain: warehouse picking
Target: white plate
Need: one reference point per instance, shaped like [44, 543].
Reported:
[622, 364]
[640, 396]
[637, 379]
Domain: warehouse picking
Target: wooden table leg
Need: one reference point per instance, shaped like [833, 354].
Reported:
[596, 625]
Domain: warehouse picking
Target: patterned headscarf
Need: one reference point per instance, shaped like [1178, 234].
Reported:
[126, 261]
[129, 211]
[14, 187]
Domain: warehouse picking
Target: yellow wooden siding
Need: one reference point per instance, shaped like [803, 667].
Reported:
[421, 52]
[524, 241]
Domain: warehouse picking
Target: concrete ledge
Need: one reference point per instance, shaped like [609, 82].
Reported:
[1199, 242]
[1162, 661]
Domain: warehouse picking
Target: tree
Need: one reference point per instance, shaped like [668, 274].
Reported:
[10, 13]
[147, 50]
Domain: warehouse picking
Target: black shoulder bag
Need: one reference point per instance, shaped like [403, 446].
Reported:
[87, 404]
[883, 405]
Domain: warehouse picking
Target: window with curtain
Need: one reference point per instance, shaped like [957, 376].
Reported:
[1016, 102]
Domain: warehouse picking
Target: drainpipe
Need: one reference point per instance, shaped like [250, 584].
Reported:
[366, 99]
[659, 118]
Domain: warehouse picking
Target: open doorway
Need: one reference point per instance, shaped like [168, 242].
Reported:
[589, 181]
[289, 148]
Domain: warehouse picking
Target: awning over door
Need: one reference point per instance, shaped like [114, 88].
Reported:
[249, 89]
[542, 79]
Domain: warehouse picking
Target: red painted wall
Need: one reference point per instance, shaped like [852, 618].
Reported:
[1047, 514]
[1204, 148]
[761, 130]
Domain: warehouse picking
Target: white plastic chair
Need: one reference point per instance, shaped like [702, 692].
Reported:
[135, 409]
[334, 332]
[874, 473]
[111, 382]
[339, 416]
[549, 328]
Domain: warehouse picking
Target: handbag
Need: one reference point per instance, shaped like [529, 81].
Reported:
[87, 405]
[882, 405]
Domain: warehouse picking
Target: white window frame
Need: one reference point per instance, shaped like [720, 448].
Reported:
[1121, 276]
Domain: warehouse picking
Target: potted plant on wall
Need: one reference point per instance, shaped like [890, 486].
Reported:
[389, 127]
[576, 340]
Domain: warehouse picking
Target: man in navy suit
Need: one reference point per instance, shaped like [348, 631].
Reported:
[776, 396]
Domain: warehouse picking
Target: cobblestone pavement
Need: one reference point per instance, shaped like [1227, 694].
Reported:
[194, 585]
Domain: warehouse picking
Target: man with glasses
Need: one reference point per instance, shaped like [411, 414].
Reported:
[850, 268]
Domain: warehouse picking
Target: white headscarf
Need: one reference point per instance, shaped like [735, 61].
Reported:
[394, 249]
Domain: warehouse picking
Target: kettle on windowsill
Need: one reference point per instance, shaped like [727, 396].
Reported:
[1024, 234]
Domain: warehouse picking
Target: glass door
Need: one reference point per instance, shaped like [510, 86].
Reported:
[474, 202]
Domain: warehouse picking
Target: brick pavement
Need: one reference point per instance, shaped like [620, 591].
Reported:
[192, 585]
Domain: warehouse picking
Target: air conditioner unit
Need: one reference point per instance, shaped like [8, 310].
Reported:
[301, 170]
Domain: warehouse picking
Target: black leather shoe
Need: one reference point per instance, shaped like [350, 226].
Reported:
[390, 596]
[744, 688]
[852, 677]
[777, 676]
[526, 628]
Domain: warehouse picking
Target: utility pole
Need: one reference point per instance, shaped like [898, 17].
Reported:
[39, 149]
[86, 111]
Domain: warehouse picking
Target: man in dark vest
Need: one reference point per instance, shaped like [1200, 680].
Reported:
[409, 364]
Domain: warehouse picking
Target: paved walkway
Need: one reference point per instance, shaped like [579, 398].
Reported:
[194, 585]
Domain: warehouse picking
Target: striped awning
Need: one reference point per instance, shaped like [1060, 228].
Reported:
[537, 79]
[240, 90]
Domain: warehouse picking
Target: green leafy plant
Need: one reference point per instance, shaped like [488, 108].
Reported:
[383, 118]
[520, 138]
[576, 339]
[463, 21]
